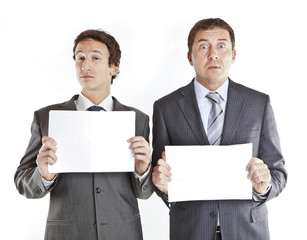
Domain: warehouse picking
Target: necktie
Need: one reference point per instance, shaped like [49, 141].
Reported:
[216, 119]
[95, 108]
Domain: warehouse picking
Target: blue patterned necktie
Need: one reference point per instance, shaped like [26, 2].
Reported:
[95, 108]
[216, 119]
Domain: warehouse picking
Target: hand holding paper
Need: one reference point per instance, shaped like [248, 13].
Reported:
[259, 174]
[46, 156]
[142, 153]
[161, 175]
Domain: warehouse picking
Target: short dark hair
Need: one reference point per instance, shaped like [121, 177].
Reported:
[210, 23]
[107, 39]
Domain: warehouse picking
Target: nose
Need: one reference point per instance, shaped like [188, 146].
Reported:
[213, 55]
[86, 65]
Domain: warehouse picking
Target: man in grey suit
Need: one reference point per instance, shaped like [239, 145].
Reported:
[89, 205]
[214, 110]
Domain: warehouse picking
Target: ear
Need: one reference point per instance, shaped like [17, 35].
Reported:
[190, 58]
[114, 69]
[234, 54]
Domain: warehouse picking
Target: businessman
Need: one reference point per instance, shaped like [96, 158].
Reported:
[89, 205]
[214, 110]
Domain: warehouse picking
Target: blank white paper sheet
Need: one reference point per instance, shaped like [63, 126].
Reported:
[209, 172]
[92, 141]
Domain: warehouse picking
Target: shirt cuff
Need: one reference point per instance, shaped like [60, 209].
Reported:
[144, 176]
[262, 197]
[48, 184]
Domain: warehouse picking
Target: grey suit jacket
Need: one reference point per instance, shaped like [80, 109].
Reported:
[85, 205]
[248, 119]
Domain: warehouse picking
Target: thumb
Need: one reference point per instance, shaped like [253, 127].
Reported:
[163, 156]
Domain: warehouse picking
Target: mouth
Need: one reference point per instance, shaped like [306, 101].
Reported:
[213, 67]
[86, 76]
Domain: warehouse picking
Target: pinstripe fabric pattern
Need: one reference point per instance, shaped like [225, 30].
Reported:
[87, 205]
[248, 119]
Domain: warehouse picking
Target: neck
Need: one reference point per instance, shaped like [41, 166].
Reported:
[94, 96]
[211, 85]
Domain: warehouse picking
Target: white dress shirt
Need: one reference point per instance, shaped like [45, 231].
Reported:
[204, 103]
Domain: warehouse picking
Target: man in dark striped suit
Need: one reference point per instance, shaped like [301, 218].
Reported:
[214, 110]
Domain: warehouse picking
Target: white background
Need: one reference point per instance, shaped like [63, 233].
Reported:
[36, 69]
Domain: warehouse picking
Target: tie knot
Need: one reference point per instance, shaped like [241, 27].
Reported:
[214, 97]
[95, 108]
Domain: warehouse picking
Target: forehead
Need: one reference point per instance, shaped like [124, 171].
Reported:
[91, 45]
[215, 34]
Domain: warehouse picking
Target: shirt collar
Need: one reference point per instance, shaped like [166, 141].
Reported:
[202, 91]
[83, 103]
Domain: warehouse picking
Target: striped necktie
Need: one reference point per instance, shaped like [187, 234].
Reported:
[216, 119]
[95, 108]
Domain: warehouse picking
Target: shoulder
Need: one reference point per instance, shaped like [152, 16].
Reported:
[67, 105]
[118, 106]
[246, 92]
[173, 97]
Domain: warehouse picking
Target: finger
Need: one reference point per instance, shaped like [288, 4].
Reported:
[48, 145]
[252, 162]
[162, 172]
[254, 168]
[161, 178]
[136, 145]
[163, 163]
[159, 181]
[262, 175]
[257, 167]
[142, 158]
[136, 139]
[48, 156]
[142, 150]
[45, 139]
[42, 161]
[159, 185]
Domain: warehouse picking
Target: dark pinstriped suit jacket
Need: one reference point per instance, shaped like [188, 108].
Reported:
[248, 119]
[86, 205]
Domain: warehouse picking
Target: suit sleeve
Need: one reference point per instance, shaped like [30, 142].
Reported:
[160, 140]
[27, 178]
[144, 189]
[270, 152]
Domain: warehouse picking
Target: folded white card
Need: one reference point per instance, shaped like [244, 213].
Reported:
[89, 141]
[209, 172]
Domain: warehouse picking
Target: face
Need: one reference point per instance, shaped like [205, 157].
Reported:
[211, 57]
[92, 66]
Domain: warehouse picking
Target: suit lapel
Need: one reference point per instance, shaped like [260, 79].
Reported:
[234, 107]
[70, 105]
[117, 106]
[189, 108]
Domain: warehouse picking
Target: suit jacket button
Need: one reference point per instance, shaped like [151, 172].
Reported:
[212, 214]
[145, 187]
[38, 190]
[98, 190]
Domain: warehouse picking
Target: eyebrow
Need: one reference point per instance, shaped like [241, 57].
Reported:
[94, 51]
[206, 40]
